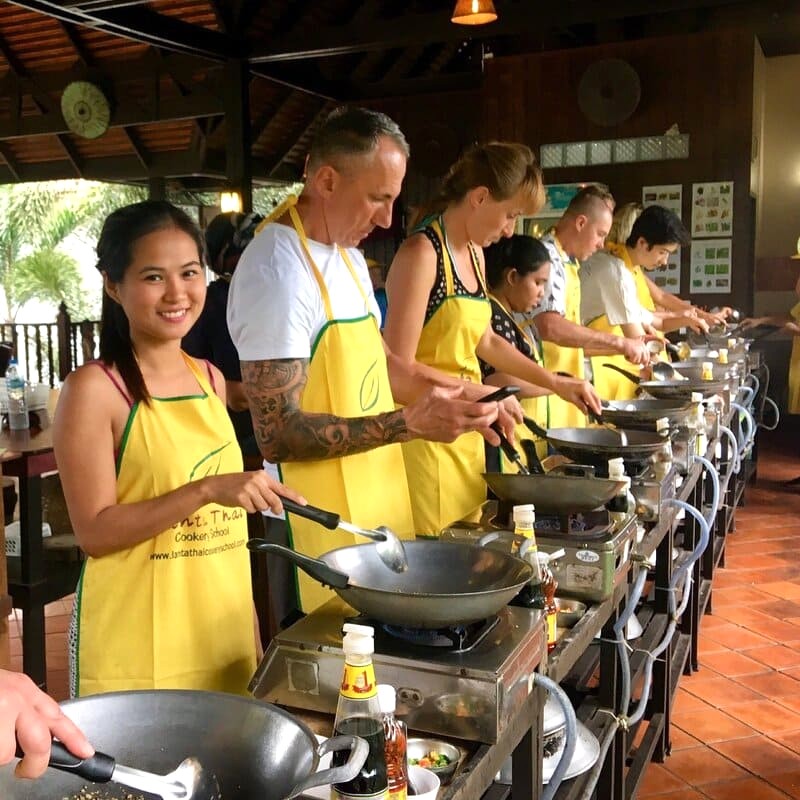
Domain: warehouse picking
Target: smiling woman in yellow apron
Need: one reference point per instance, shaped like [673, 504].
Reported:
[517, 270]
[153, 479]
[439, 316]
[347, 376]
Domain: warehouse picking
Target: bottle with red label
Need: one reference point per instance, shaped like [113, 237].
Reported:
[358, 713]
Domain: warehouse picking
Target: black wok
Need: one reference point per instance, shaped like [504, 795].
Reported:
[446, 583]
[555, 493]
[642, 414]
[256, 751]
[596, 446]
[673, 390]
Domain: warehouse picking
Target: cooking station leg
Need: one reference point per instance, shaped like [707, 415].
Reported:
[690, 624]
[662, 669]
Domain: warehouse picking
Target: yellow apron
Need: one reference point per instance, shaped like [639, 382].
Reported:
[175, 611]
[562, 414]
[445, 479]
[534, 407]
[347, 377]
[610, 385]
[793, 406]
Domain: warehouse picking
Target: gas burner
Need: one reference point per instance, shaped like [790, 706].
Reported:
[453, 639]
[590, 526]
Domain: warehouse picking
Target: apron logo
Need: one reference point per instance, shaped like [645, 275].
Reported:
[370, 388]
[209, 464]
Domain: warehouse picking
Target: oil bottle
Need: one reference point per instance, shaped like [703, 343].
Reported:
[358, 713]
[395, 739]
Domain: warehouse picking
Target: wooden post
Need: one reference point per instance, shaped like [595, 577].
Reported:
[157, 188]
[63, 325]
[238, 150]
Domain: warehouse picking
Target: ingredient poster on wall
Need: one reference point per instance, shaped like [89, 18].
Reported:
[671, 197]
[710, 269]
[712, 209]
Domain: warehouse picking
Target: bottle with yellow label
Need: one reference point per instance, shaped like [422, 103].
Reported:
[707, 371]
[358, 713]
[723, 355]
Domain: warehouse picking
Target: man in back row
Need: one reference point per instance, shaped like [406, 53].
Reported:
[579, 233]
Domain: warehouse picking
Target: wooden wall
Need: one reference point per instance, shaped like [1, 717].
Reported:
[704, 83]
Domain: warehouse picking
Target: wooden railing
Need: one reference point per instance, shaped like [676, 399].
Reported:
[48, 351]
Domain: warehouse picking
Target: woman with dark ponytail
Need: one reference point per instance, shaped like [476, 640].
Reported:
[517, 270]
[153, 479]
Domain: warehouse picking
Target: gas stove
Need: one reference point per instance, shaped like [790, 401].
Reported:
[597, 545]
[654, 486]
[466, 682]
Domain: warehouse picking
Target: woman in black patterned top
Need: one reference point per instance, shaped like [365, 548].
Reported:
[517, 270]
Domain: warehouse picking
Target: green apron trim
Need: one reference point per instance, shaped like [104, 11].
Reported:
[330, 322]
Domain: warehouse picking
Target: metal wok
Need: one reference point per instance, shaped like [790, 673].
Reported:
[446, 583]
[555, 493]
[256, 751]
[642, 414]
[673, 390]
[693, 370]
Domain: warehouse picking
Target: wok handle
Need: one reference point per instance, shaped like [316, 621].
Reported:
[359, 750]
[629, 375]
[97, 769]
[534, 427]
[327, 519]
[511, 452]
[672, 349]
[314, 567]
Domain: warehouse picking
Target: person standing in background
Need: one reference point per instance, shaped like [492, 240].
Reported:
[226, 237]
[579, 233]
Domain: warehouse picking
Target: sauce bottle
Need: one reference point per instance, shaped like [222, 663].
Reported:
[394, 742]
[531, 595]
[622, 506]
[358, 713]
[549, 586]
[723, 355]
[707, 371]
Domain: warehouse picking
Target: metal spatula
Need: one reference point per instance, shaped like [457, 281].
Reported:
[188, 782]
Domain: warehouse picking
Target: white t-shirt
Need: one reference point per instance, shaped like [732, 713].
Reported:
[607, 287]
[275, 308]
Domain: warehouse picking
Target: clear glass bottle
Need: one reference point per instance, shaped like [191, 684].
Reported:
[394, 742]
[18, 419]
[549, 586]
[663, 460]
[358, 713]
[700, 423]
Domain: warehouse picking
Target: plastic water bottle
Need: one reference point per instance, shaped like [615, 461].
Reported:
[17, 407]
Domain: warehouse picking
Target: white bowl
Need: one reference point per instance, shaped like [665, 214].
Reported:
[425, 782]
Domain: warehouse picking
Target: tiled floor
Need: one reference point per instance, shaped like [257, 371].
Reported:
[737, 721]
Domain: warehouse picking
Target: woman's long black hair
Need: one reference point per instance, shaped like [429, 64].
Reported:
[525, 254]
[121, 231]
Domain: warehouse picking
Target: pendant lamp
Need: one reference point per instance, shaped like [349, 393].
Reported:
[474, 12]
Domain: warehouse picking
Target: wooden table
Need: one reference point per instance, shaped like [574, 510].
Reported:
[28, 455]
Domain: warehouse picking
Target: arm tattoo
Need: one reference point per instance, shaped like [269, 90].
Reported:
[286, 433]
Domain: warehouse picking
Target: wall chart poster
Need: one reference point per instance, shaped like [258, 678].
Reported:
[712, 209]
[671, 197]
[710, 270]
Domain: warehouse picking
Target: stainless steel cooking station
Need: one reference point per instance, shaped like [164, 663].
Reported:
[469, 695]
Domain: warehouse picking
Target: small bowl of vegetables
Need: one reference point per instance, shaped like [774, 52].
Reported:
[439, 757]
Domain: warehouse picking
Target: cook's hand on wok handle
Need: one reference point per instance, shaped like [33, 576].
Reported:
[327, 519]
[442, 415]
[314, 567]
[98, 768]
[580, 393]
[29, 720]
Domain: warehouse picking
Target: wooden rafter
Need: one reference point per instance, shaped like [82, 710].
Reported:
[281, 157]
[72, 154]
[71, 32]
[139, 150]
[11, 162]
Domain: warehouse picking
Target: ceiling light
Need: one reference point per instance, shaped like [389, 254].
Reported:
[474, 12]
[230, 201]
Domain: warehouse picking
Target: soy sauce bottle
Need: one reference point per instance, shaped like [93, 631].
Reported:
[358, 713]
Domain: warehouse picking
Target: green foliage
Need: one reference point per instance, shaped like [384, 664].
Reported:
[50, 276]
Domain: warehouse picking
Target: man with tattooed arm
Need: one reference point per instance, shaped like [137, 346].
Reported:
[320, 382]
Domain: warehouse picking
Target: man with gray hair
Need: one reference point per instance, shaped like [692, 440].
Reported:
[320, 381]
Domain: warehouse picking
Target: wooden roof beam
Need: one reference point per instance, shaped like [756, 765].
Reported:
[11, 163]
[70, 31]
[426, 28]
[276, 163]
[139, 149]
[72, 154]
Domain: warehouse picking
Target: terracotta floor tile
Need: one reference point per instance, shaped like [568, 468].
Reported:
[737, 638]
[682, 740]
[747, 560]
[790, 740]
[765, 716]
[714, 725]
[750, 788]
[686, 702]
[786, 590]
[717, 690]
[740, 595]
[58, 623]
[658, 780]
[791, 702]
[732, 664]
[724, 580]
[708, 645]
[788, 782]
[776, 656]
[760, 755]
[771, 684]
[700, 765]
[710, 621]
